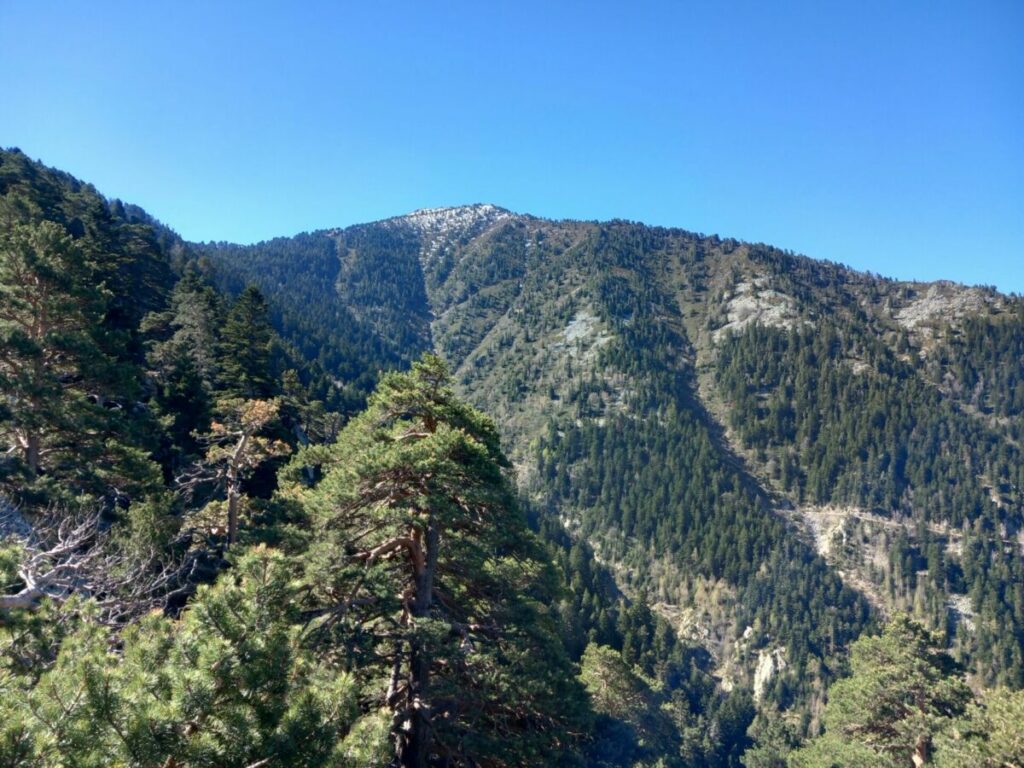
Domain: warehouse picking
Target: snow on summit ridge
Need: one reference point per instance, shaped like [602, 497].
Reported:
[437, 225]
[454, 218]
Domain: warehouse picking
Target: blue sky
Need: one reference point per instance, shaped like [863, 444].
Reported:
[885, 135]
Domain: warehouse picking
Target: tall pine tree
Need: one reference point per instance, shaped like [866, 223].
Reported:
[427, 572]
[245, 347]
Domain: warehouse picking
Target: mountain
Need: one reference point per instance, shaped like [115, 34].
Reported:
[738, 465]
[771, 448]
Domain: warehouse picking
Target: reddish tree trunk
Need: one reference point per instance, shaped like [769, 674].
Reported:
[414, 743]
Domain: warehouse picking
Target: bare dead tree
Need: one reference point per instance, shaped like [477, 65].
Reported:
[65, 554]
[58, 555]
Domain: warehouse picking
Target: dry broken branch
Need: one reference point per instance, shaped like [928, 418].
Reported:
[65, 554]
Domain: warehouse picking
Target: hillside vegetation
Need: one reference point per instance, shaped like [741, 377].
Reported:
[469, 487]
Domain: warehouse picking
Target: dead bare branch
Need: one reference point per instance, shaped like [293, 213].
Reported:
[65, 554]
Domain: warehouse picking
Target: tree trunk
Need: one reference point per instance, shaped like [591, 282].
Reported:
[26, 600]
[922, 750]
[234, 478]
[232, 513]
[414, 747]
[32, 447]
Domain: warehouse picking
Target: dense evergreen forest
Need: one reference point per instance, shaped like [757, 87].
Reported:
[467, 488]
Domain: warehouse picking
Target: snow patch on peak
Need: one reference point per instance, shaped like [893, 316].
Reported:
[436, 225]
[457, 218]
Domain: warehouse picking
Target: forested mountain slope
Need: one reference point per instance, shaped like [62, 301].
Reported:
[175, 591]
[719, 419]
[670, 481]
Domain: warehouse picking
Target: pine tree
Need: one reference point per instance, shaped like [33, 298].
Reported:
[230, 685]
[990, 735]
[235, 446]
[65, 413]
[49, 303]
[189, 327]
[632, 725]
[903, 693]
[245, 342]
[427, 566]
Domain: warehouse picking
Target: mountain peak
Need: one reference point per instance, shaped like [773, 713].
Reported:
[437, 225]
[438, 220]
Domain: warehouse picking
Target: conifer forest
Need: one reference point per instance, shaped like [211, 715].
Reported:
[473, 488]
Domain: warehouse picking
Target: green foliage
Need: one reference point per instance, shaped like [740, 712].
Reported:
[774, 736]
[229, 686]
[408, 603]
[906, 701]
[676, 677]
[980, 357]
[427, 572]
[832, 751]
[54, 364]
[883, 438]
[880, 438]
[245, 347]
[902, 693]
[351, 303]
[184, 340]
[663, 486]
[631, 725]
[989, 735]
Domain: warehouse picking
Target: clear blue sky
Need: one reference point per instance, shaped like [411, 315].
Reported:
[886, 135]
